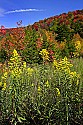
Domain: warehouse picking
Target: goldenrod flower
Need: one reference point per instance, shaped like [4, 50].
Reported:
[39, 89]
[58, 91]
[30, 71]
[73, 74]
[45, 54]
[63, 65]
[5, 75]
[47, 83]
[24, 64]
[4, 86]
[77, 45]
[78, 48]
[15, 53]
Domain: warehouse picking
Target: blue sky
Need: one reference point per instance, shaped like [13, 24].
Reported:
[30, 11]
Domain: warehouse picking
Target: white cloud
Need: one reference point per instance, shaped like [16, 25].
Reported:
[23, 10]
[2, 12]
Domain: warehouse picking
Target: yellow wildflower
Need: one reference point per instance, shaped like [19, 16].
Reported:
[45, 54]
[15, 53]
[77, 45]
[47, 83]
[30, 71]
[24, 64]
[67, 70]
[4, 86]
[65, 59]
[4, 75]
[39, 89]
[73, 74]
[58, 91]
[63, 65]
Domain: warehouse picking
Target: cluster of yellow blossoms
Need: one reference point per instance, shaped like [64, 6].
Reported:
[57, 91]
[78, 48]
[3, 85]
[78, 45]
[15, 65]
[65, 66]
[45, 54]
[15, 69]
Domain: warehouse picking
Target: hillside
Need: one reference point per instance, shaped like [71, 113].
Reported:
[60, 35]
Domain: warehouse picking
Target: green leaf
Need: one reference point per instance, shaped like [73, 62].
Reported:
[20, 119]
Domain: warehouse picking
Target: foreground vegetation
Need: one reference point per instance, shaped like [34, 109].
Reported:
[45, 94]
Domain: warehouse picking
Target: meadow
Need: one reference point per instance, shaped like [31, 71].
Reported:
[41, 72]
[45, 94]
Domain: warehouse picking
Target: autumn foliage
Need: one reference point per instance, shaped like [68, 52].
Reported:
[59, 35]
